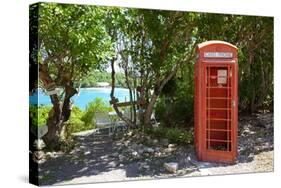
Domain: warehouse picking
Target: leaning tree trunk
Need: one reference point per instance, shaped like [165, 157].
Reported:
[159, 86]
[149, 109]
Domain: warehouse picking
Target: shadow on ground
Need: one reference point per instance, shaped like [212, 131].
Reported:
[94, 155]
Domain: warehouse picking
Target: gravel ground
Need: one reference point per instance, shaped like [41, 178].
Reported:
[262, 162]
[102, 159]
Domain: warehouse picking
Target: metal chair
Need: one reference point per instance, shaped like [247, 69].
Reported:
[102, 121]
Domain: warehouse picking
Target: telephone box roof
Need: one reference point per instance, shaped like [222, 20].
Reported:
[211, 42]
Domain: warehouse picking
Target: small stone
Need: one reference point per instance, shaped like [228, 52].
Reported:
[104, 157]
[113, 164]
[146, 167]
[157, 149]
[171, 167]
[168, 150]
[164, 142]
[114, 154]
[140, 145]
[251, 155]
[39, 144]
[135, 153]
[130, 133]
[134, 146]
[158, 154]
[155, 141]
[127, 142]
[148, 150]
[143, 165]
[39, 155]
[95, 172]
[50, 155]
[171, 145]
[140, 151]
[121, 157]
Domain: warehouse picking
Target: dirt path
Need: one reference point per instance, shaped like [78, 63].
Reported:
[100, 159]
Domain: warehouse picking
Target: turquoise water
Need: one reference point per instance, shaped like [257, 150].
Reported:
[85, 96]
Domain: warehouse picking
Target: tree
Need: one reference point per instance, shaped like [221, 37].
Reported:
[72, 42]
[256, 70]
[173, 44]
[151, 46]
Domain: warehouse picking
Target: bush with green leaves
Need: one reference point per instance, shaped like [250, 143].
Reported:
[75, 124]
[98, 105]
[39, 114]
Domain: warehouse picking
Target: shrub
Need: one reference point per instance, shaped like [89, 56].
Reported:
[98, 105]
[39, 114]
[75, 124]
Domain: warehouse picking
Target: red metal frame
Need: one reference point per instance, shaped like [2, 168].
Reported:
[216, 102]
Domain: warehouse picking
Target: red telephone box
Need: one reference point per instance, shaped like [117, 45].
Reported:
[216, 102]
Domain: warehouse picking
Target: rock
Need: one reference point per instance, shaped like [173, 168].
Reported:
[113, 164]
[146, 154]
[121, 157]
[50, 155]
[82, 147]
[140, 151]
[140, 145]
[104, 157]
[251, 155]
[38, 155]
[130, 133]
[114, 154]
[95, 172]
[171, 145]
[39, 144]
[135, 153]
[143, 165]
[148, 150]
[134, 146]
[146, 167]
[158, 154]
[168, 150]
[157, 149]
[171, 167]
[164, 142]
[127, 142]
[155, 141]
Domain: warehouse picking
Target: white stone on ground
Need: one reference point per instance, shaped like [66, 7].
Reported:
[171, 167]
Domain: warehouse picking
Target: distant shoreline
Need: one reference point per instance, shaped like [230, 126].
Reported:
[93, 88]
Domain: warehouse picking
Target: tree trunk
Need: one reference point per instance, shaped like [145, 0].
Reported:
[253, 102]
[57, 116]
[113, 99]
[149, 109]
[52, 139]
[155, 95]
[132, 106]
